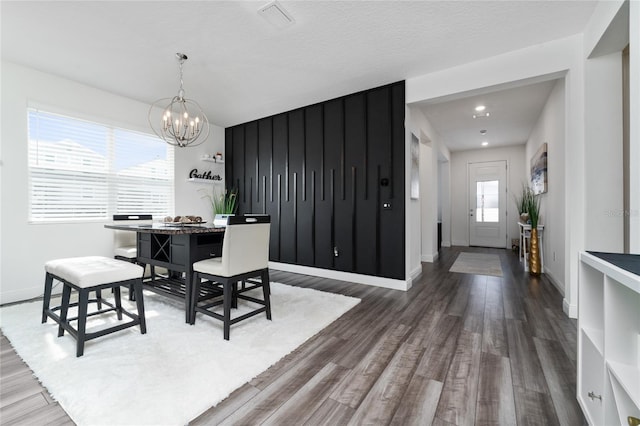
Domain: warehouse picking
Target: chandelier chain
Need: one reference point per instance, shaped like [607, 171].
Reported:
[181, 60]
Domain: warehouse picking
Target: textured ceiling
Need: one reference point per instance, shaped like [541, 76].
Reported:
[240, 67]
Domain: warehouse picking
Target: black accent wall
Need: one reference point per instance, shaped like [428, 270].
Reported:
[324, 173]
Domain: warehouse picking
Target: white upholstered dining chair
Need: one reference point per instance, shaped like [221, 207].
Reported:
[245, 255]
[124, 242]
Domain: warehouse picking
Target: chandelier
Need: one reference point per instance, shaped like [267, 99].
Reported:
[182, 122]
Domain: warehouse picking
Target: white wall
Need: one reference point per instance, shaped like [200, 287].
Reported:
[516, 174]
[24, 247]
[412, 211]
[422, 243]
[191, 196]
[428, 194]
[444, 193]
[613, 25]
[603, 154]
[550, 128]
[634, 131]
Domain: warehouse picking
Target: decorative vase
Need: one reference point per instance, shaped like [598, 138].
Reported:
[524, 217]
[534, 252]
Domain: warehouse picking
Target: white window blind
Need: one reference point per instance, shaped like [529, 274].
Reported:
[80, 170]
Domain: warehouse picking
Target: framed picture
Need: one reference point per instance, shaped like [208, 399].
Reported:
[539, 170]
[415, 168]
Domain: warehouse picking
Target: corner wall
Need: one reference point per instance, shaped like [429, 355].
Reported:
[422, 219]
[603, 154]
[634, 131]
[550, 129]
[25, 247]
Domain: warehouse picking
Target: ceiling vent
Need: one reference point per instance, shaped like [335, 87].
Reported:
[276, 15]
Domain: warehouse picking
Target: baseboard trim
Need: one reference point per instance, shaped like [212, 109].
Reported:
[403, 285]
[555, 282]
[570, 310]
[460, 243]
[25, 294]
[446, 244]
[429, 257]
[416, 273]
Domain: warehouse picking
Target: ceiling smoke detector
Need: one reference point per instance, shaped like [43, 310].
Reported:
[481, 115]
[274, 13]
[483, 132]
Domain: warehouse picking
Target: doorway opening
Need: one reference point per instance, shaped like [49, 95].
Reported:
[487, 204]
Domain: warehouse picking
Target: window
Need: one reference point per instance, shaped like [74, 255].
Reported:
[79, 170]
[488, 201]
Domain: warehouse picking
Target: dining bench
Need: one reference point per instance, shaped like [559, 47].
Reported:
[92, 274]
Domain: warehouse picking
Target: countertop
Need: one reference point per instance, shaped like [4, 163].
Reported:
[168, 229]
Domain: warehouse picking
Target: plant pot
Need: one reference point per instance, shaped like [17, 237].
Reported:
[534, 252]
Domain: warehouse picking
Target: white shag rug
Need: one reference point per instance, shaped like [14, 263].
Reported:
[478, 264]
[174, 372]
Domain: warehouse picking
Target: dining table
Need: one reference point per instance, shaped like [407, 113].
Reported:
[174, 247]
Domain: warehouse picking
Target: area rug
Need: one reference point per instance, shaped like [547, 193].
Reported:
[478, 264]
[174, 372]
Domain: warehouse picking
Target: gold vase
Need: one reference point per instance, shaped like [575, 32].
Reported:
[534, 252]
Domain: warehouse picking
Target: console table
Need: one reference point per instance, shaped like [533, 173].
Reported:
[175, 248]
[525, 233]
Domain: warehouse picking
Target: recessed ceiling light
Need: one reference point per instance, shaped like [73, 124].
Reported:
[480, 108]
[485, 143]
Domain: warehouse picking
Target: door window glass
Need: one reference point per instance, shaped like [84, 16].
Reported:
[487, 201]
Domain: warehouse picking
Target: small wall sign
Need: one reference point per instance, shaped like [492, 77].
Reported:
[204, 175]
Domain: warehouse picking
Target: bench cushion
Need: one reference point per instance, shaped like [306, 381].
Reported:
[210, 266]
[89, 271]
[130, 252]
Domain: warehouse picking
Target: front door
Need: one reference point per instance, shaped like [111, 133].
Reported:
[487, 204]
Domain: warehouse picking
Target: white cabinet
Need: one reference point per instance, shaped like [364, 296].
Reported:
[608, 342]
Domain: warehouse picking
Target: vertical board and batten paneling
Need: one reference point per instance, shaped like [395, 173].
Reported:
[319, 171]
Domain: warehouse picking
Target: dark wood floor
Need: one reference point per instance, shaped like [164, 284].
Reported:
[456, 349]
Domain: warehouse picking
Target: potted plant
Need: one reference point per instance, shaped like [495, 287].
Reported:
[533, 209]
[522, 201]
[223, 205]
